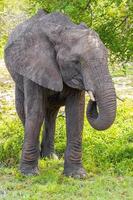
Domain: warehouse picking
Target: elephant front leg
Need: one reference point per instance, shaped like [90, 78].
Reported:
[34, 106]
[47, 145]
[74, 122]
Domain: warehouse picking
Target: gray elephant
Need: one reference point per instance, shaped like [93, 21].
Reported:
[53, 62]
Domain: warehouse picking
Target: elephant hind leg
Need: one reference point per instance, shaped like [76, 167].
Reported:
[19, 102]
[47, 144]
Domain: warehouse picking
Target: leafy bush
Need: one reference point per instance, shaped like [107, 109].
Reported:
[111, 19]
[110, 150]
[11, 137]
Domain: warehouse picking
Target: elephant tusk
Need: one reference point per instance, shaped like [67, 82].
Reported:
[91, 96]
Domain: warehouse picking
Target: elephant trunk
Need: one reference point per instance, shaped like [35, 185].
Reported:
[101, 112]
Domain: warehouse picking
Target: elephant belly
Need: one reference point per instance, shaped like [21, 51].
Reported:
[58, 98]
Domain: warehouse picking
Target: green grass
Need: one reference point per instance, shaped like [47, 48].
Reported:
[52, 185]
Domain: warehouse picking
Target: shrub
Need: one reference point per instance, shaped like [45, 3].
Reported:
[110, 150]
[11, 137]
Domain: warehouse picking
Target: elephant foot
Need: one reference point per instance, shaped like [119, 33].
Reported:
[50, 155]
[28, 170]
[75, 171]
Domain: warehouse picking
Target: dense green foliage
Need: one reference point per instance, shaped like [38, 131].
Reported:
[112, 19]
[110, 150]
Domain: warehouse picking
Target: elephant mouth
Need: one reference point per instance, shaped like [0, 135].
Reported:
[93, 108]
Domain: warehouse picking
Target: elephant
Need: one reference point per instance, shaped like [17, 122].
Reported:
[53, 62]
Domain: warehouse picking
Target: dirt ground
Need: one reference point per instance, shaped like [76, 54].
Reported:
[123, 85]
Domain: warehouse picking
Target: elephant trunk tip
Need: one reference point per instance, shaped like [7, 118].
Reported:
[101, 117]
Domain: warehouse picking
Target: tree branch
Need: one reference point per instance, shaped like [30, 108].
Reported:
[123, 21]
[120, 99]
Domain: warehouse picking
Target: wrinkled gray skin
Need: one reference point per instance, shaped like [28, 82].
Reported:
[53, 62]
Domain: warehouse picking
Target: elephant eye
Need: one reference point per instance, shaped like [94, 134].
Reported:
[76, 62]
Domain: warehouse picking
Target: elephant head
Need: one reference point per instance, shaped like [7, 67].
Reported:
[82, 58]
[56, 51]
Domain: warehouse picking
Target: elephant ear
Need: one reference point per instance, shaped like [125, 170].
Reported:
[33, 56]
